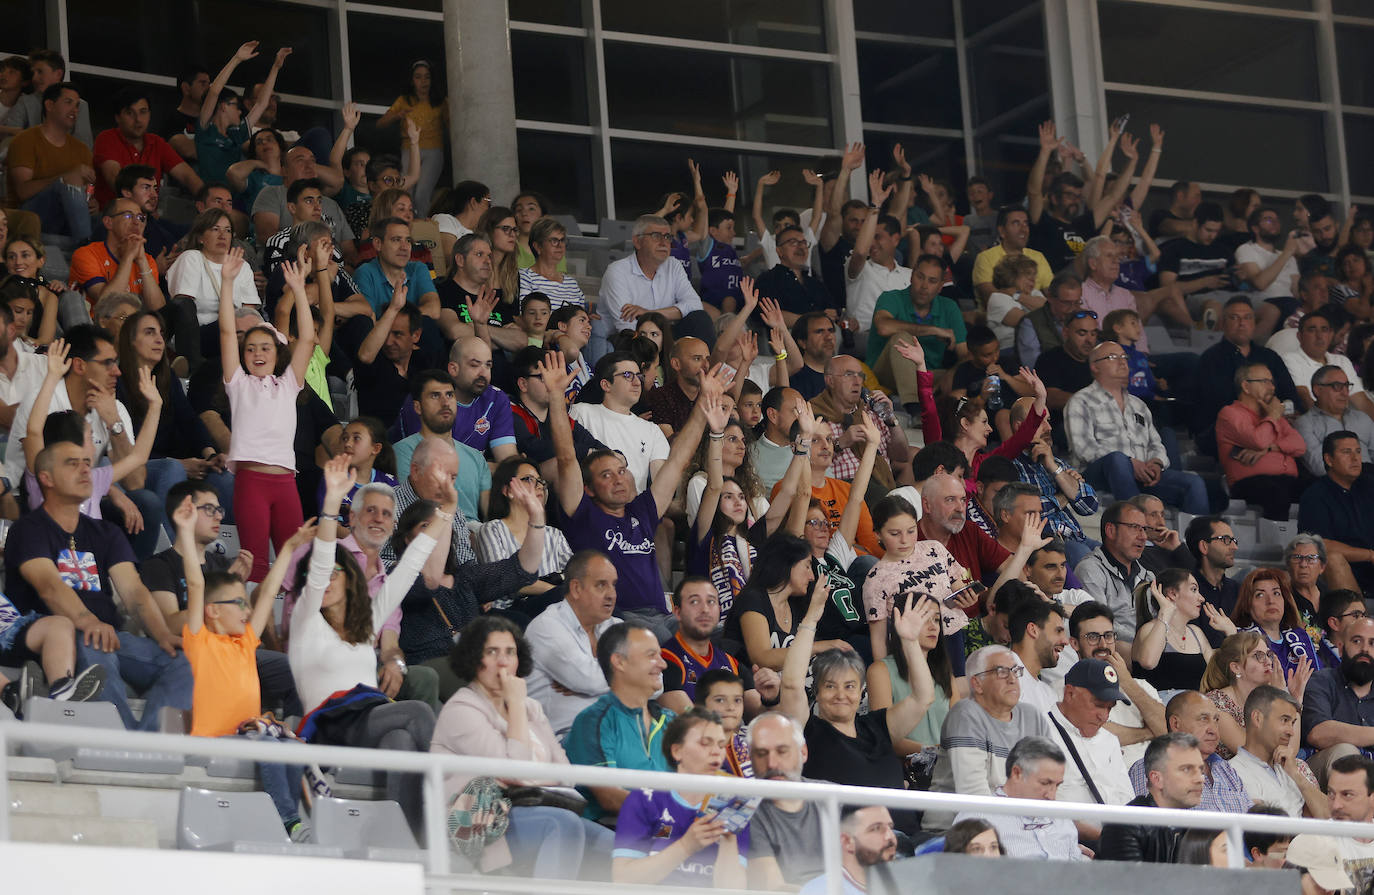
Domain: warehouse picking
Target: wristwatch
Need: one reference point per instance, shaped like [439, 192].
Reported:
[400, 665]
[117, 428]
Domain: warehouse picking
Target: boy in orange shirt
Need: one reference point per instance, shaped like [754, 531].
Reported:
[220, 639]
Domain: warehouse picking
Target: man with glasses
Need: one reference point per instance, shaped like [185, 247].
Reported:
[790, 282]
[1337, 610]
[1259, 448]
[1035, 770]
[1133, 722]
[119, 262]
[162, 573]
[645, 282]
[612, 422]
[1113, 570]
[1212, 383]
[1315, 334]
[1331, 412]
[979, 732]
[1340, 506]
[1213, 546]
[1112, 435]
[841, 404]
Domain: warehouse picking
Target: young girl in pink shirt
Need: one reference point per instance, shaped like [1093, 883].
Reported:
[262, 399]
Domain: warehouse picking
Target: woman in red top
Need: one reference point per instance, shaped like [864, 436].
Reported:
[965, 424]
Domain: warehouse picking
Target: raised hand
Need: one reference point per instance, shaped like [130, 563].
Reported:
[554, 372]
[480, 308]
[853, 156]
[233, 263]
[696, 172]
[1032, 538]
[899, 157]
[338, 478]
[303, 535]
[716, 417]
[749, 349]
[713, 383]
[731, 181]
[910, 623]
[246, 51]
[927, 185]
[871, 433]
[281, 57]
[352, 116]
[58, 362]
[1218, 619]
[806, 416]
[771, 312]
[811, 177]
[913, 352]
[147, 387]
[1049, 135]
[1041, 393]
[750, 294]
[771, 178]
[294, 275]
[876, 191]
[523, 494]
[1130, 147]
[1297, 680]
[184, 516]
[777, 340]
[412, 131]
[1157, 136]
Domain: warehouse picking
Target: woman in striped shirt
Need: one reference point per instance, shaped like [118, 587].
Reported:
[508, 523]
[549, 242]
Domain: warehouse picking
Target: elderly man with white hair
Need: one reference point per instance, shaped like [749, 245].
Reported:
[645, 281]
[980, 731]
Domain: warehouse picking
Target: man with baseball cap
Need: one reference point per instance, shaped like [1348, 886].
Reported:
[1095, 771]
[1319, 858]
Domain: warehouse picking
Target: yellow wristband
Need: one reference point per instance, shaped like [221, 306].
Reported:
[781, 355]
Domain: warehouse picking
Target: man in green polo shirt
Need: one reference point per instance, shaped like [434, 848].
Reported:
[920, 313]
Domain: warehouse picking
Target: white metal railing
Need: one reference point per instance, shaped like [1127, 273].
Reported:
[828, 795]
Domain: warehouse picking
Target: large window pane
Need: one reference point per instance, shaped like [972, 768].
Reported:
[1005, 154]
[1008, 71]
[428, 5]
[1356, 67]
[1242, 145]
[26, 26]
[644, 172]
[792, 25]
[560, 167]
[901, 84]
[381, 77]
[547, 12]
[1213, 51]
[939, 158]
[981, 14]
[1353, 8]
[932, 18]
[1359, 146]
[716, 95]
[550, 77]
[170, 36]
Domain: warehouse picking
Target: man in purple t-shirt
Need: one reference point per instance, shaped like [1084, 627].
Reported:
[484, 416]
[604, 512]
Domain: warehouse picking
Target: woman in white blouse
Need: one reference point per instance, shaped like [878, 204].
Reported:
[549, 243]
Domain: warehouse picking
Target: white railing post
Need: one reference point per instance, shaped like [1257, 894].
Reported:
[436, 821]
[4, 785]
[1235, 847]
[830, 845]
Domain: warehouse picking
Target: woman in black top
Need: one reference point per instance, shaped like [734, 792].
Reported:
[845, 747]
[1170, 651]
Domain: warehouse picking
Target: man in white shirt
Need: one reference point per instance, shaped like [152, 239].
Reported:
[646, 281]
[1315, 333]
[1139, 718]
[639, 441]
[1091, 688]
[1270, 270]
[566, 677]
[1268, 762]
[872, 268]
[1350, 788]
[1039, 634]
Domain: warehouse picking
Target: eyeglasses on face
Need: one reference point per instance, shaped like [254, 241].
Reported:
[1335, 386]
[658, 235]
[1092, 637]
[391, 180]
[631, 375]
[1085, 312]
[508, 229]
[1110, 357]
[818, 523]
[1228, 540]
[1262, 655]
[535, 481]
[791, 243]
[1354, 613]
[135, 215]
[237, 601]
[1004, 672]
[213, 510]
[1133, 526]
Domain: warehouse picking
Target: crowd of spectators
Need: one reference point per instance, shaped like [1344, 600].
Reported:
[681, 524]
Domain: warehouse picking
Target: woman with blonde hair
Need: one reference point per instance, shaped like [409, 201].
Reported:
[1241, 663]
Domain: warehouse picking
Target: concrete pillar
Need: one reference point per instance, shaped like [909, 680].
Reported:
[481, 92]
[1075, 60]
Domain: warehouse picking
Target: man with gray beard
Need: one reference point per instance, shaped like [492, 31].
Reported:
[784, 834]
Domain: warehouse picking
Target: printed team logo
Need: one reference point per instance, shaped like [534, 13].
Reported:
[78, 570]
[664, 830]
[481, 427]
[1110, 674]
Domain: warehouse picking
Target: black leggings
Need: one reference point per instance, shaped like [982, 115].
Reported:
[404, 726]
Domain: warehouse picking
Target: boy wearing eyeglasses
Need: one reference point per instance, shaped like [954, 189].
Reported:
[220, 638]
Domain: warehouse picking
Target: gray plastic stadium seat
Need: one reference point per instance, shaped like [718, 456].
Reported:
[96, 715]
[569, 223]
[371, 831]
[238, 822]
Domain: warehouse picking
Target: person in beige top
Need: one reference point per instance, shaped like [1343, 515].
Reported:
[493, 717]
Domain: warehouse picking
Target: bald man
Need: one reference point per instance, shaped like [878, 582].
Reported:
[483, 420]
[670, 406]
[1114, 440]
[1222, 789]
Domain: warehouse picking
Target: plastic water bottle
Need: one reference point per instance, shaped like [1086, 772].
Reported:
[993, 383]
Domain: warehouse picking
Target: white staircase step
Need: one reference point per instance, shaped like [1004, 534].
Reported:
[65, 830]
[53, 799]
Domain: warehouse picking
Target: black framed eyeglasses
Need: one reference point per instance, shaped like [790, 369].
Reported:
[213, 510]
[631, 375]
[238, 601]
[1085, 312]
[1228, 540]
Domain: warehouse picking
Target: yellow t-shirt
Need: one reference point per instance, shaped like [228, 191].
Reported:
[226, 691]
[430, 120]
[988, 258]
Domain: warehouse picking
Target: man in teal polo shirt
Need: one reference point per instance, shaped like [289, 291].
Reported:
[920, 313]
[623, 728]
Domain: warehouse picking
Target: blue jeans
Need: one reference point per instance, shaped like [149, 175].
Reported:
[140, 663]
[280, 781]
[551, 842]
[62, 209]
[150, 506]
[1184, 490]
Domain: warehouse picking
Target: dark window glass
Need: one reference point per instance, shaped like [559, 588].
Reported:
[550, 77]
[1006, 71]
[547, 12]
[26, 26]
[169, 37]
[1005, 156]
[560, 167]
[934, 18]
[793, 25]
[1352, 8]
[716, 95]
[1255, 146]
[1359, 145]
[902, 84]
[1356, 67]
[942, 159]
[1217, 52]
[381, 77]
[983, 14]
